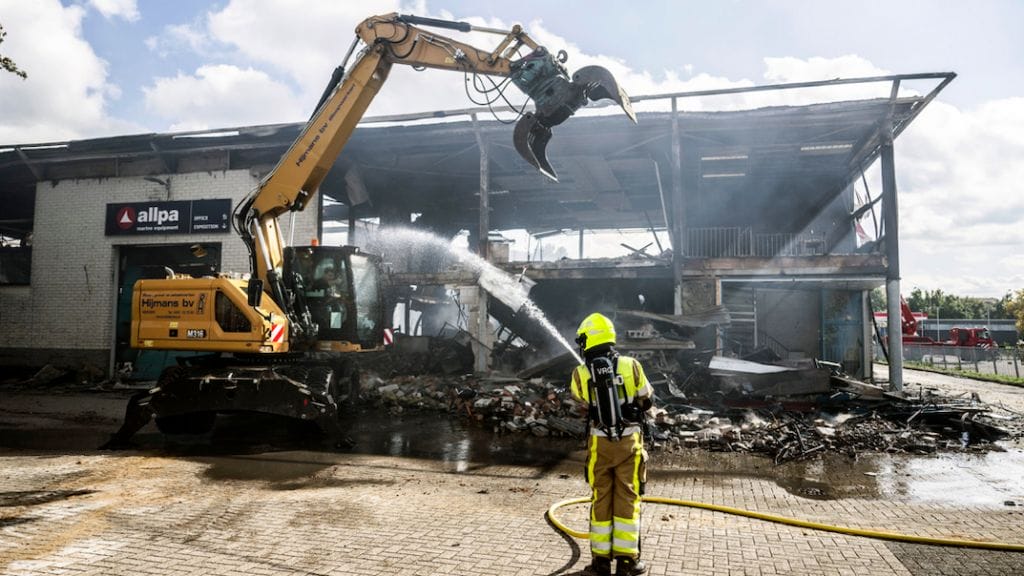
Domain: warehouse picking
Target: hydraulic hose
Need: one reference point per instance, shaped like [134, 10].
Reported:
[791, 522]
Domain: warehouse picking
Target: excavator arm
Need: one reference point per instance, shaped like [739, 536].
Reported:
[398, 39]
[210, 314]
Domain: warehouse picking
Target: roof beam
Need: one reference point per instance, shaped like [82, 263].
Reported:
[29, 164]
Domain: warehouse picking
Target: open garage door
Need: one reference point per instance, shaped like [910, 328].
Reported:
[143, 262]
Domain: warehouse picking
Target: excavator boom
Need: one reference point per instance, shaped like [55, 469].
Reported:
[398, 39]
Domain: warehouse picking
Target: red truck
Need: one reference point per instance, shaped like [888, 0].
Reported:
[965, 337]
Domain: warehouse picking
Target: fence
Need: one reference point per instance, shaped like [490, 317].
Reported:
[998, 361]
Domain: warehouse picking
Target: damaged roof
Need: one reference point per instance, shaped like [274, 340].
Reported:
[783, 162]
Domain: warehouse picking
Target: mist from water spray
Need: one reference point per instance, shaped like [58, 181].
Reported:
[418, 248]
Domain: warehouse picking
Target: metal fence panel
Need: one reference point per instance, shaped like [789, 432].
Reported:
[998, 361]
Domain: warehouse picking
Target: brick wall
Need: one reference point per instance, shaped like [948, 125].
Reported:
[70, 304]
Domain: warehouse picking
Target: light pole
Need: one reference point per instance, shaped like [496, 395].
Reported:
[938, 338]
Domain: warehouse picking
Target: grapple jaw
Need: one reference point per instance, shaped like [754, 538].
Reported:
[601, 85]
[530, 139]
[543, 78]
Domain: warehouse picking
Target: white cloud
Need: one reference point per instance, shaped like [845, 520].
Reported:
[67, 90]
[961, 190]
[218, 96]
[126, 9]
[788, 69]
[176, 37]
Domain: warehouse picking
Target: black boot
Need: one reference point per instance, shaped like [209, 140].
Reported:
[625, 566]
[600, 566]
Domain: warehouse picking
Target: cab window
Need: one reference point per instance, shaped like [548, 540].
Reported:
[366, 282]
[230, 317]
[328, 278]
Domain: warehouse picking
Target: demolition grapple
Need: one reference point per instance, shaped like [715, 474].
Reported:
[545, 80]
[540, 74]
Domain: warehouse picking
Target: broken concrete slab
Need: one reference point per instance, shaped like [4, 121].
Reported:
[733, 375]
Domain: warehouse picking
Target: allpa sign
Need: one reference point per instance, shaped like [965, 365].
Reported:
[181, 217]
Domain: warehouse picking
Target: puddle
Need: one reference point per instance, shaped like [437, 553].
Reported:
[259, 448]
[829, 477]
[808, 488]
[968, 479]
[460, 445]
[962, 479]
[989, 479]
[251, 468]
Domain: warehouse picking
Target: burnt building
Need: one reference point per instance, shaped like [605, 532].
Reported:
[756, 208]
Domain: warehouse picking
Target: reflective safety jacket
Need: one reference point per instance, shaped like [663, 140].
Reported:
[633, 379]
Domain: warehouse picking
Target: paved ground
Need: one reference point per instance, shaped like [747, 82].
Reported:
[430, 498]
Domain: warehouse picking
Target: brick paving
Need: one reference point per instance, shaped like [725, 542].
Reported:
[147, 512]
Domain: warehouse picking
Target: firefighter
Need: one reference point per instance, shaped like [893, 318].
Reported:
[616, 394]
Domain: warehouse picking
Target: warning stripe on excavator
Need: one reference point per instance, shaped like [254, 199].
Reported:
[276, 332]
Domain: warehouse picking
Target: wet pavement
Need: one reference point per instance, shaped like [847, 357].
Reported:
[423, 494]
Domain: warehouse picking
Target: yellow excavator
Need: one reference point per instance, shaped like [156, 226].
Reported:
[281, 341]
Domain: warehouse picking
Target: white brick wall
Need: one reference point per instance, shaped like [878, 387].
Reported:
[71, 301]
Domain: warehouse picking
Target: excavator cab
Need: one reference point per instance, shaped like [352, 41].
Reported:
[340, 288]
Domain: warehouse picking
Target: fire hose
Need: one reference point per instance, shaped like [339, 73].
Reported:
[791, 522]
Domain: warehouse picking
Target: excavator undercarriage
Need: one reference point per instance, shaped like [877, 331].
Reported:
[187, 398]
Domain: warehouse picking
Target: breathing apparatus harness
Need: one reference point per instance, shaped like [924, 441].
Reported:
[611, 409]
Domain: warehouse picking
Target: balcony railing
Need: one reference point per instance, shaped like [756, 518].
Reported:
[743, 242]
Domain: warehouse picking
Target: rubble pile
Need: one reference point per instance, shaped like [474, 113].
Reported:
[506, 405]
[789, 435]
[784, 429]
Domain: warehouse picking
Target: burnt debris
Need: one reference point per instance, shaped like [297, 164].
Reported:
[785, 413]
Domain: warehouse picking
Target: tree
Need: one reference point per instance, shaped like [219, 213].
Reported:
[878, 301]
[954, 307]
[1015, 306]
[8, 64]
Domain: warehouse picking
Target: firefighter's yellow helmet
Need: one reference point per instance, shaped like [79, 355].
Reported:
[595, 330]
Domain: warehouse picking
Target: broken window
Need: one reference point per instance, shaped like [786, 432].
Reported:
[16, 235]
[15, 265]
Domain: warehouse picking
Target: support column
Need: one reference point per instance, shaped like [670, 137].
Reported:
[351, 225]
[480, 326]
[484, 230]
[474, 300]
[890, 217]
[678, 215]
[867, 362]
[701, 294]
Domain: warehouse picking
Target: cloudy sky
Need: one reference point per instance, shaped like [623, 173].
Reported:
[115, 67]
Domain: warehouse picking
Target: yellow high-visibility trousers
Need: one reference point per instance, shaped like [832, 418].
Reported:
[615, 471]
